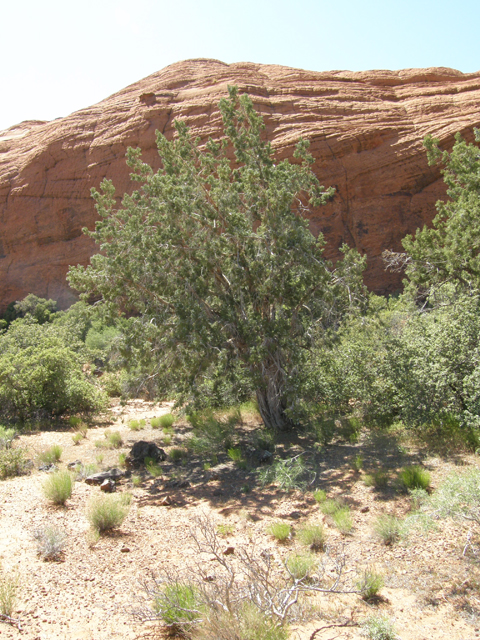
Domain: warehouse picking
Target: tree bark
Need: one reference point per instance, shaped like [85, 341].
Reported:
[271, 404]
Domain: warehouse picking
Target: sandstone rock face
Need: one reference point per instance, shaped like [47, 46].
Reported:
[365, 129]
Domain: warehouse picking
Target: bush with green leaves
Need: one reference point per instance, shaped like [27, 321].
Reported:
[107, 512]
[369, 583]
[7, 435]
[51, 542]
[414, 477]
[288, 474]
[281, 531]
[313, 536]
[379, 627]
[41, 372]
[13, 462]
[162, 422]
[388, 528]
[58, 487]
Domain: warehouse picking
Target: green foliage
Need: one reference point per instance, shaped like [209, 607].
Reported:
[369, 583]
[51, 542]
[301, 565]
[122, 459]
[287, 474]
[388, 528]
[113, 440]
[331, 506]
[51, 455]
[77, 438]
[212, 431]
[414, 478]
[179, 605]
[163, 422]
[225, 529]
[378, 479]
[136, 481]
[107, 512]
[342, 519]
[243, 281]
[246, 623]
[6, 437]
[379, 627]
[41, 372]
[177, 455]
[357, 462]
[313, 536]
[320, 496]
[9, 588]
[43, 311]
[458, 496]
[279, 530]
[153, 468]
[12, 463]
[58, 487]
[135, 425]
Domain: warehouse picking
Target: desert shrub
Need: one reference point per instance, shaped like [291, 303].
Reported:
[179, 605]
[136, 481]
[58, 487]
[153, 468]
[41, 371]
[342, 519]
[13, 462]
[301, 565]
[279, 530]
[378, 479]
[379, 627]
[6, 437]
[122, 457]
[225, 529]
[357, 462]
[288, 474]
[113, 383]
[51, 542]
[113, 440]
[331, 506]
[163, 422]
[51, 455]
[106, 513]
[369, 583]
[134, 425]
[77, 438]
[313, 536]
[388, 528]
[82, 471]
[320, 496]
[9, 588]
[168, 440]
[246, 623]
[414, 478]
[125, 498]
[458, 496]
[212, 432]
[177, 455]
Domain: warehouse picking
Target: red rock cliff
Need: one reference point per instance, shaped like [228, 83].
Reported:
[366, 131]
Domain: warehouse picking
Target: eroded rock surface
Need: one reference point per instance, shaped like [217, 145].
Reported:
[366, 131]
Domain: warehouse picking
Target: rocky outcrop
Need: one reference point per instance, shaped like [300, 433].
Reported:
[365, 129]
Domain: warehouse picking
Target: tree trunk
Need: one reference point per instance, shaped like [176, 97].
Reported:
[272, 409]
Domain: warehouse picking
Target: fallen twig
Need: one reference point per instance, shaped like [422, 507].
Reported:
[9, 620]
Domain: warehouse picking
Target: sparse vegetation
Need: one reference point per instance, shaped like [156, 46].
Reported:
[77, 438]
[379, 627]
[225, 529]
[163, 422]
[13, 462]
[313, 536]
[369, 583]
[281, 531]
[288, 474]
[343, 520]
[301, 565]
[320, 496]
[58, 487]
[51, 542]
[378, 479]
[7, 435]
[51, 455]
[107, 512]
[9, 588]
[414, 477]
[388, 528]
[136, 481]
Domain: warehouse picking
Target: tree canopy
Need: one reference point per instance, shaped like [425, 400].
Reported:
[213, 260]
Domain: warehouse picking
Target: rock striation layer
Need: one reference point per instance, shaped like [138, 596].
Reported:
[365, 129]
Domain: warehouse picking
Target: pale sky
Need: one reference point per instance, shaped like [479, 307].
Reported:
[60, 56]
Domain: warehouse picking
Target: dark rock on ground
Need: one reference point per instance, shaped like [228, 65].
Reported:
[142, 450]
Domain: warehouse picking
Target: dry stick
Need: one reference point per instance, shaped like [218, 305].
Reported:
[331, 626]
[9, 620]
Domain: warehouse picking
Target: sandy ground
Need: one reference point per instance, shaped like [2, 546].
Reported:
[431, 587]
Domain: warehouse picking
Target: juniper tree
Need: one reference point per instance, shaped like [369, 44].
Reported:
[213, 260]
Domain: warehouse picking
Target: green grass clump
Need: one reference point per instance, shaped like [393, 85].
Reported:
[235, 454]
[51, 455]
[58, 487]
[369, 583]
[50, 542]
[77, 438]
[134, 425]
[177, 455]
[167, 439]
[74, 421]
[107, 512]
[378, 479]
[178, 605]
[286, 474]
[357, 462]
[153, 468]
[112, 441]
[343, 520]
[330, 506]
[136, 481]
[414, 477]
[225, 529]
[9, 587]
[313, 536]
[6, 437]
[379, 627]
[279, 530]
[388, 528]
[320, 496]
[122, 457]
[301, 565]
[12, 463]
[163, 422]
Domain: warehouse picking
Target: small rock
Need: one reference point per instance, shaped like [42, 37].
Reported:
[73, 465]
[49, 468]
[165, 502]
[98, 478]
[124, 549]
[108, 486]
[228, 551]
[364, 509]
[142, 450]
